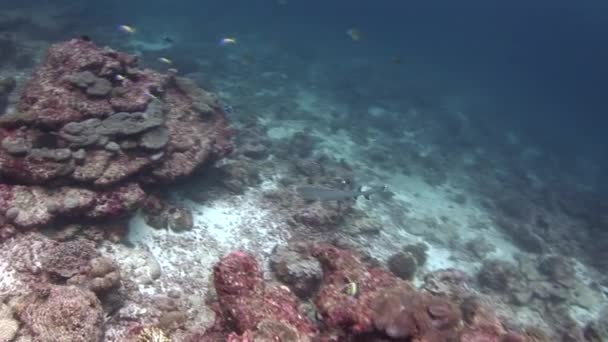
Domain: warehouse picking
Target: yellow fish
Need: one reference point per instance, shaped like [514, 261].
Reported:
[165, 60]
[126, 29]
[351, 289]
[354, 34]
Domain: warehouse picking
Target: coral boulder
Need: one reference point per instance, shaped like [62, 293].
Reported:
[91, 129]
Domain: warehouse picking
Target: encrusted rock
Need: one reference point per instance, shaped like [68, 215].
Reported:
[155, 139]
[62, 313]
[79, 154]
[403, 265]
[11, 213]
[83, 79]
[58, 155]
[180, 218]
[497, 275]
[247, 302]
[407, 314]
[101, 87]
[69, 115]
[82, 133]
[419, 252]
[101, 276]
[255, 151]
[125, 124]
[301, 272]
[66, 259]
[8, 325]
[112, 146]
[16, 145]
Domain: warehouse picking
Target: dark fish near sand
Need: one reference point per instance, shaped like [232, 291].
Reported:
[316, 193]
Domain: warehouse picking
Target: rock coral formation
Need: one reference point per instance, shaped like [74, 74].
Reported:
[388, 305]
[293, 266]
[403, 265]
[355, 302]
[84, 141]
[249, 307]
[62, 313]
[8, 325]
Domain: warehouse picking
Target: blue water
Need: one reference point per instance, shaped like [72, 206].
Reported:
[538, 68]
[519, 87]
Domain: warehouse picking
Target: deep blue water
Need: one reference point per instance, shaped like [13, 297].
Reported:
[540, 67]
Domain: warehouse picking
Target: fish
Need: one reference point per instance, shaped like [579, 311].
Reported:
[354, 34]
[165, 60]
[227, 41]
[119, 77]
[168, 40]
[126, 29]
[149, 94]
[316, 193]
[351, 289]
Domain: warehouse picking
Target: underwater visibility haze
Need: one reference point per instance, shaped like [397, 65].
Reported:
[283, 170]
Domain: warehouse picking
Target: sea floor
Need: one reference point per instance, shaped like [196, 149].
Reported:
[444, 190]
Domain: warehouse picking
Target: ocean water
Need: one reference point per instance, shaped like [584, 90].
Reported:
[485, 120]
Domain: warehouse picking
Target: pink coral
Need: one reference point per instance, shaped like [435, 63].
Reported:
[78, 124]
[249, 305]
[340, 309]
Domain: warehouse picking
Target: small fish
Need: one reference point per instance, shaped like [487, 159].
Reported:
[354, 34]
[119, 77]
[149, 94]
[316, 193]
[172, 70]
[228, 109]
[165, 60]
[227, 41]
[168, 40]
[351, 289]
[397, 60]
[85, 37]
[126, 29]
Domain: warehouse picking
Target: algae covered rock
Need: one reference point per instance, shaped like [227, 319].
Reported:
[62, 313]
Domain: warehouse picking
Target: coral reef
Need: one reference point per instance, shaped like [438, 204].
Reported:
[295, 267]
[83, 131]
[8, 325]
[403, 265]
[152, 334]
[62, 313]
[387, 304]
[248, 306]
[401, 313]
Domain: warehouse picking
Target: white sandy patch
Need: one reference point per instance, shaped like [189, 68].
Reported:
[163, 261]
[224, 225]
[8, 282]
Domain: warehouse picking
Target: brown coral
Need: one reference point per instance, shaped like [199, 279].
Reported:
[66, 259]
[62, 313]
[402, 313]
